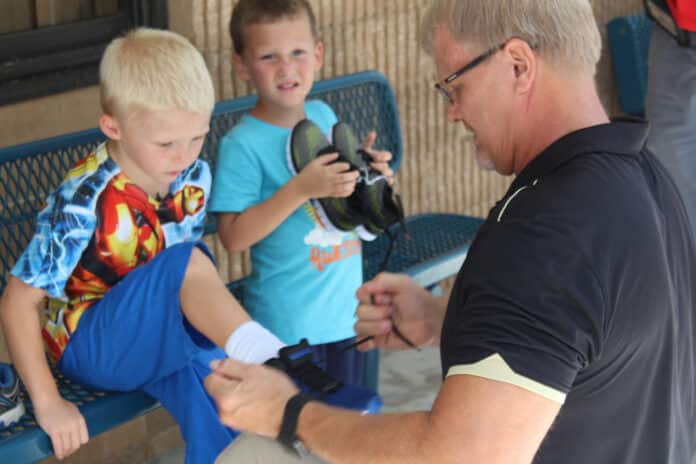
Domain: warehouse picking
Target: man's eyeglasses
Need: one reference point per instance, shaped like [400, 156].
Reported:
[468, 67]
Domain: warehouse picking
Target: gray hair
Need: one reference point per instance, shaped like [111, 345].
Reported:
[565, 31]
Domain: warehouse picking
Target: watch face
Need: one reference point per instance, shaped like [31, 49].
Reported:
[300, 448]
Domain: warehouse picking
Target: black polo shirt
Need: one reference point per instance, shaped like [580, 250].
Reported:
[582, 280]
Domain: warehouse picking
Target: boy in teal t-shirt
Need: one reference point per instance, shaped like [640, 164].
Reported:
[304, 276]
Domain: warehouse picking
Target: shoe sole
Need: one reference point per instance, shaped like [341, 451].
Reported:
[373, 204]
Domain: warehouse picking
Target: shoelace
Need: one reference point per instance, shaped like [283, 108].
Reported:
[383, 267]
[385, 262]
[369, 176]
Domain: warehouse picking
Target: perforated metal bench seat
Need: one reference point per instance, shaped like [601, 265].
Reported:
[436, 249]
[25, 442]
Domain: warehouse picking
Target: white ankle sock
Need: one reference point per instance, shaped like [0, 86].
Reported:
[252, 343]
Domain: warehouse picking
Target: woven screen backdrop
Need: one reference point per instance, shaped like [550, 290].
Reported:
[439, 172]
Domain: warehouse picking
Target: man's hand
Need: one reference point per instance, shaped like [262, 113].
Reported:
[396, 299]
[64, 424]
[380, 158]
[323, 177]
[249, 397]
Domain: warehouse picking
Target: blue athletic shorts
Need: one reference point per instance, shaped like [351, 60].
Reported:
[137, 333]
[137, 338]
[346, 364]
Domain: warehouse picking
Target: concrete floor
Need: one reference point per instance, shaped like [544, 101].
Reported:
[408, 381]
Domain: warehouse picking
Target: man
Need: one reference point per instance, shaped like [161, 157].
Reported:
[575, 305]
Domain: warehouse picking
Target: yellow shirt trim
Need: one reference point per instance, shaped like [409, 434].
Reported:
[494, 367]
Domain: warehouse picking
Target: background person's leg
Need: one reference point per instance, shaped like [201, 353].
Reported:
[671, 110]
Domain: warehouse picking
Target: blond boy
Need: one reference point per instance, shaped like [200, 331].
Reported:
[135, 300]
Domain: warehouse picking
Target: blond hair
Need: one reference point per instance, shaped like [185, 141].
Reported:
[153, 69]
[565, 31]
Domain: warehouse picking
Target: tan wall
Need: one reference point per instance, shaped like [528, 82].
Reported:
[49, 116]
[438, 173]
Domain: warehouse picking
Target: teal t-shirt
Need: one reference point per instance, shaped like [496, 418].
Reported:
[304, 277]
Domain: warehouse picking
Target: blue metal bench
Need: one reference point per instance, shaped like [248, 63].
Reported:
[437, 246]
[629, 43]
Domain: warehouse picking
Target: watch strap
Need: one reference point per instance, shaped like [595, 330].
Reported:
[291, 414]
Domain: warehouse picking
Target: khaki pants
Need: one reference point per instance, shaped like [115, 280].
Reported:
[253, 449]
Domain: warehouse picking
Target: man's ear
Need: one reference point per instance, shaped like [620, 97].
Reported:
[110, 127]
[240, 68]
[524, 64]
[318, 55]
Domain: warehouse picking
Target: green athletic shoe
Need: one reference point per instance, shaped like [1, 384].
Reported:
[372, 207]
[306, 142]
[373, 200]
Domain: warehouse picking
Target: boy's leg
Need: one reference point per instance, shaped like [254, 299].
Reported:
[253, 449]
[183, 395]
[176, 299]
[136, 338]
[136, 333]
[346, 364]
[210, 307]
[206, 302]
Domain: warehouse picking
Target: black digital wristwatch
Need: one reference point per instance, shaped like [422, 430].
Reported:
[288, 428]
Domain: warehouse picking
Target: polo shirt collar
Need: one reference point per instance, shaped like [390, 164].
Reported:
[623, 136]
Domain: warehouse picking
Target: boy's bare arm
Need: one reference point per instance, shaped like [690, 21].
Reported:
[320, 178]
[59, 418]
[239, 231]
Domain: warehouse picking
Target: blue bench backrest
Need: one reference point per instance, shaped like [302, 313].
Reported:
[31, 171]
[629, 43]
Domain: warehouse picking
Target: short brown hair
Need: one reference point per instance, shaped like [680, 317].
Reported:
[247, 12]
